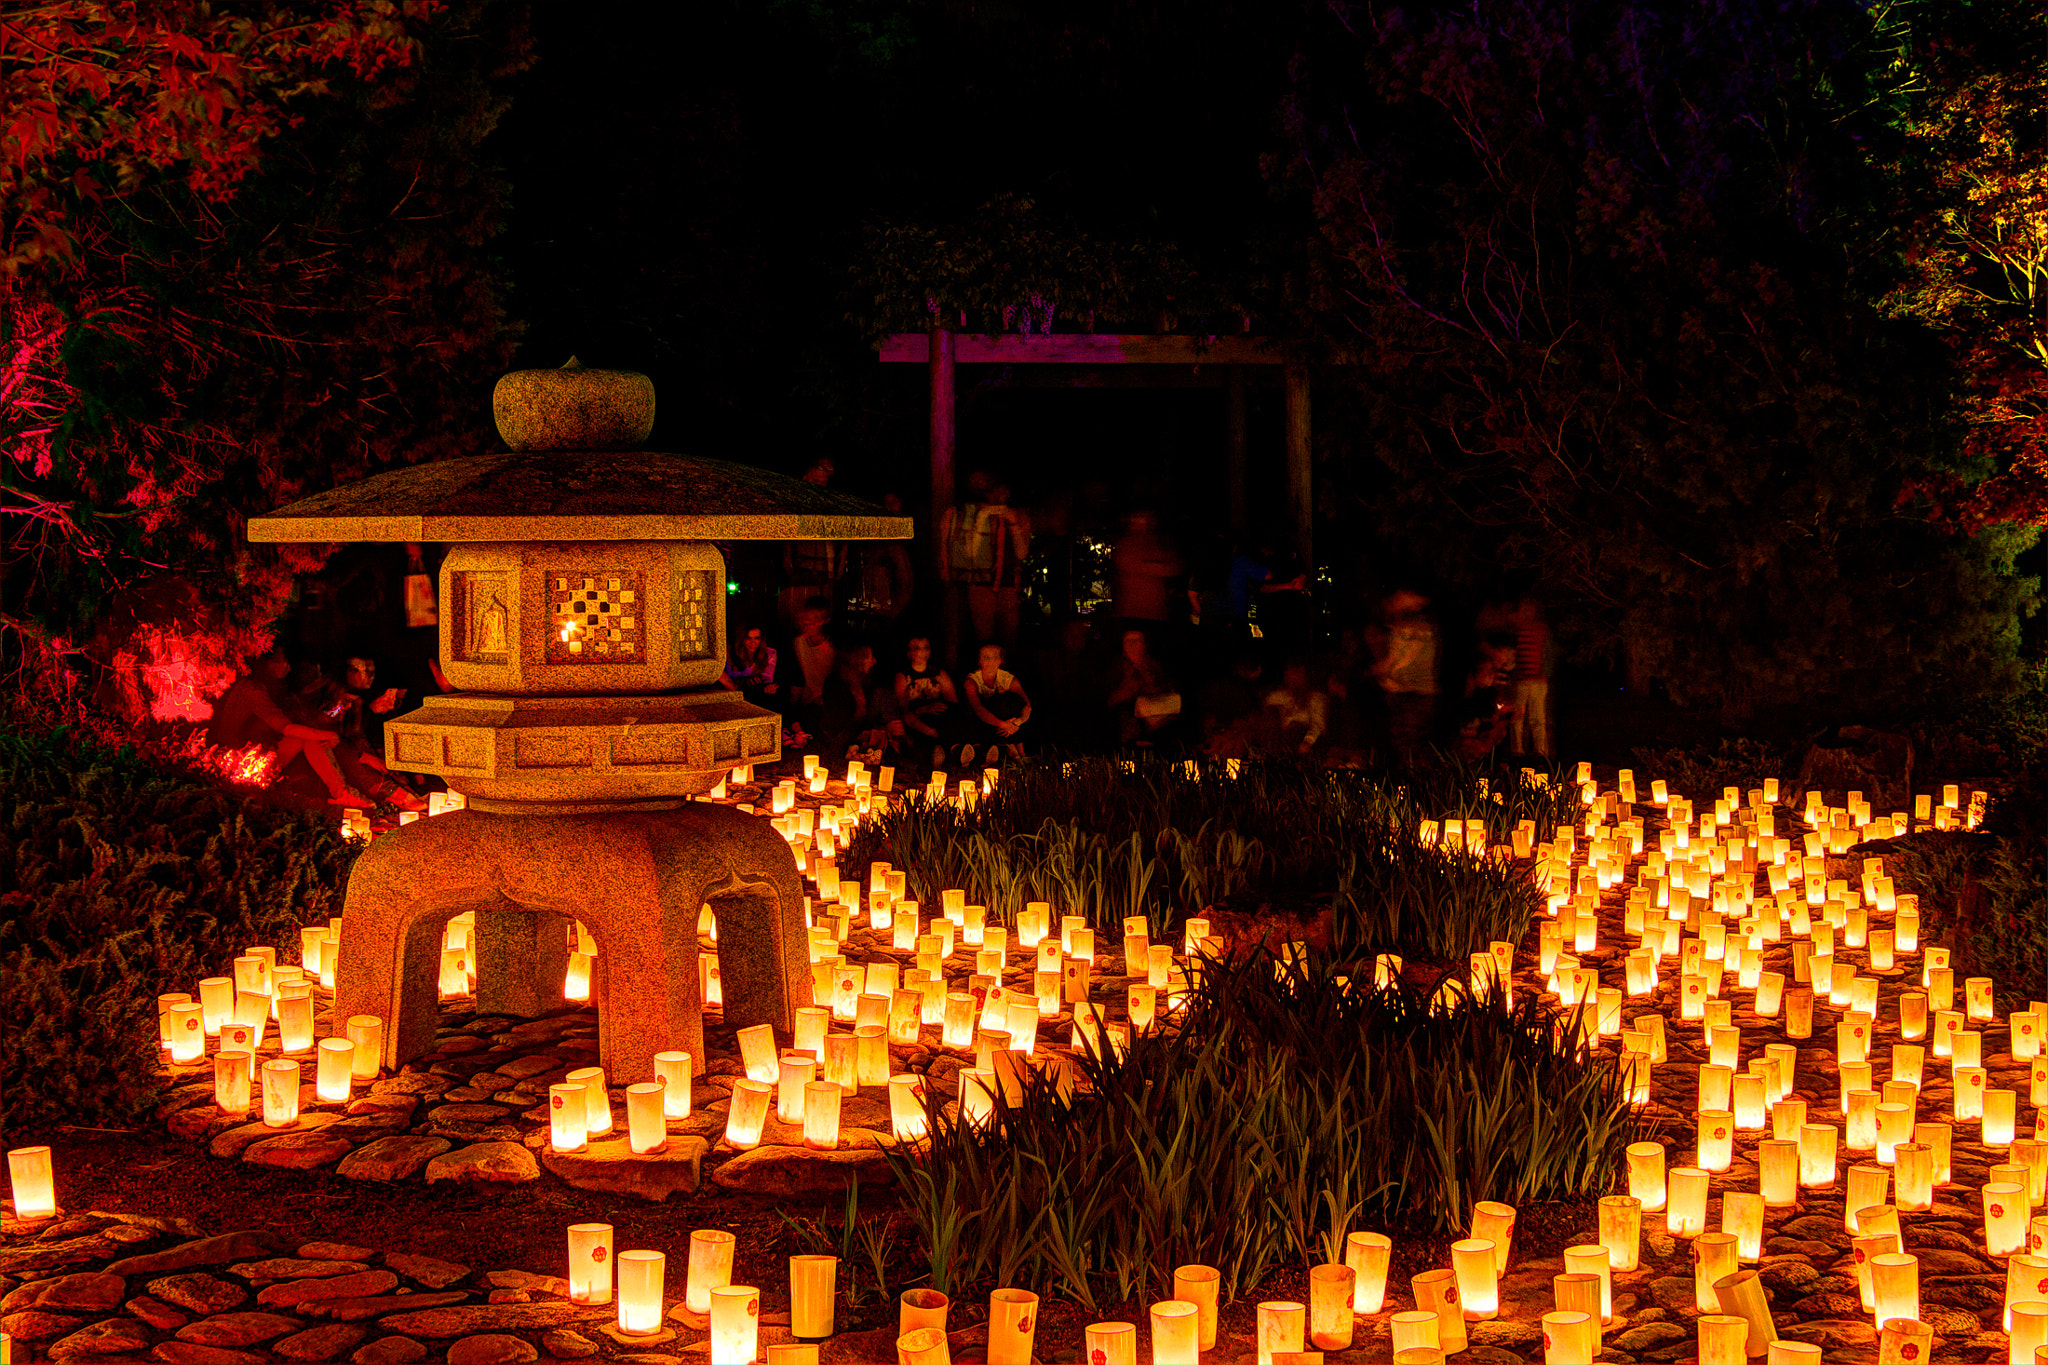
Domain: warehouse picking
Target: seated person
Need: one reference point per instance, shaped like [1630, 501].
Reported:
[926, 721]
[854, 722]
[374, 704]
[1488, 710]
[999, 705]
[815, 660]
[1142, 700]
[316, 700]
[1300, 711]
[1233, 710]
[750, 669]
[252, 712]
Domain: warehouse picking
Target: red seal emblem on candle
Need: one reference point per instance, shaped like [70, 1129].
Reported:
[1910, 1351]
[1024, 1323]
[753, 1308]
[1998, 1210]
[597, 1253]
[191, 1024]
[1720, 1132]
[555, 1101]
[1450, 1293]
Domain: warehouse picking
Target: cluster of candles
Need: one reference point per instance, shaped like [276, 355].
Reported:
[1697, 901]
[266, 1007]
[355, 824]
[1694, 899]
[886, 1004]
[1181, 1327]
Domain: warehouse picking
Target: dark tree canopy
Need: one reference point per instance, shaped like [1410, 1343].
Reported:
[1708, 321]
[278, 293]
[1603, 265]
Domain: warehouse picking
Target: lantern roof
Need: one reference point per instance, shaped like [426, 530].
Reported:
[578, 495]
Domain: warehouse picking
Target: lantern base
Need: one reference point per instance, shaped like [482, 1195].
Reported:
[636, 880]
[582, 755]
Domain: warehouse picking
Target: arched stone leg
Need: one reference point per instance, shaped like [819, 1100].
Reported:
[636, 880]
[745, 871]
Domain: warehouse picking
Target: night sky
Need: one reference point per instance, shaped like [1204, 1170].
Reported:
[690, 188]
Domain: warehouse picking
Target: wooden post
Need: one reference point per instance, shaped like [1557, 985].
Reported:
[1235, 484]
[1300, 467]
[943, 491]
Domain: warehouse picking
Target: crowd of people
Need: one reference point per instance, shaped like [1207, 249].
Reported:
[1019, 643]
[1215, 690]
[1227, 655]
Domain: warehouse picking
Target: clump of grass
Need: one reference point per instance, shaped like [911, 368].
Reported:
[129, 877]
[1288, 1106]
[1110, 838]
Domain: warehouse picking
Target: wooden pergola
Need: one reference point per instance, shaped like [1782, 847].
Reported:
[941, 350]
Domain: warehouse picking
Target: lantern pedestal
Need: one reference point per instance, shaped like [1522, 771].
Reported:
[636, 879]
[582, 625]
[570, 754]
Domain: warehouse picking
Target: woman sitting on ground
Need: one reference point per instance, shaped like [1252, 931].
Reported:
[750, 668]
[252, 713]
[856, 723]
[927, 719]
[1142, 701]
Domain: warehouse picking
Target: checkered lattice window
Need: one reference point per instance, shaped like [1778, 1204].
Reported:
[595, 619]
[694, 615]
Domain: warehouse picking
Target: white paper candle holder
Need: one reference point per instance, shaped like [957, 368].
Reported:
[640, 1276]
[1621, 1221]
[812, 1293]
[1013, 1327]
[32, 1183]
[1437, 1291]
[1200, 1285]
[280, 1081]
[710, 1267]
[332, 1077]
[590, 1263]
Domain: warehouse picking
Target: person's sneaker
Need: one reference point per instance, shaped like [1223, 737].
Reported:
[402, 799]
[351, 799]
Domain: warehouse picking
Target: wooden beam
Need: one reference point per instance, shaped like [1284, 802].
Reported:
[939, 355]
[1088, 348]
[1300, 467]
[1235, 485]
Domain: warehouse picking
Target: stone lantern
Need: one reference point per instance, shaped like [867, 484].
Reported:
[582, 620]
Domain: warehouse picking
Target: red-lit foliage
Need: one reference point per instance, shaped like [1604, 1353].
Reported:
[1971, 171]
[103, 99]
[244, 253]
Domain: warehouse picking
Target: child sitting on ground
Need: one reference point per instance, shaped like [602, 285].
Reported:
[999, 706]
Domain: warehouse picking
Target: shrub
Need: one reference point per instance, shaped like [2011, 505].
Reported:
[1703, 770]
[2007, 939]
[1288, 1107]
[127, 877]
